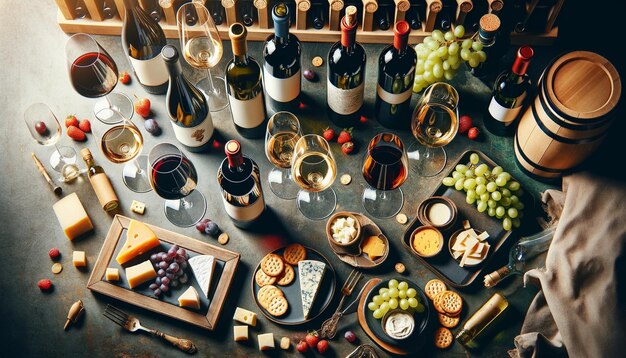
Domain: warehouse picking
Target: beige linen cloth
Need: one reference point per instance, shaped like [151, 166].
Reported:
[581, 308]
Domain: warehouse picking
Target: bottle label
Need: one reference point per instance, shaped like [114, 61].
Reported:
[249, 113]
[195, 136]
[245, 213]
[282, 89]
[345, 101]
[503, 114]
[394, 98]
[104, 191]
[150, 72]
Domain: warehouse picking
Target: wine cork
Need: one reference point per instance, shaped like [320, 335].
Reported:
[489, 23]
[350, 17]
[237, 34]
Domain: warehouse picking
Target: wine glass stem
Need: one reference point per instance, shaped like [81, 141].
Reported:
[138, 167]
[210, 78]
[186, 204]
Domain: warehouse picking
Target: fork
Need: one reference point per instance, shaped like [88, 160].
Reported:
[329, 327]
[132, 324]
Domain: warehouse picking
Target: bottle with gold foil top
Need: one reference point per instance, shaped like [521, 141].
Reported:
[100, 182]
[481, 319]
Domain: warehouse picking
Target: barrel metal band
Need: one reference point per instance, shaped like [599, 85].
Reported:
[557, 137]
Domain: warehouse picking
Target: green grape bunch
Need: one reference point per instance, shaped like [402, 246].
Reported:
[397, 294]
[492, 191]
[440, 55]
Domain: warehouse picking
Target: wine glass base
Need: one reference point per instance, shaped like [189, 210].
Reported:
[282, 184]
[103, 109]
[135, 175]
[382, 204]
[426, 161]
[317, 206]
[61, 157]
[187, 211]
[217, 97]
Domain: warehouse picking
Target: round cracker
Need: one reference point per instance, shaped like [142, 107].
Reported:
[437, 302]
[287, 277]
[272, 265]
[278, 306]
[433, 287]
[266, 293]
[263, 279]
[447, 321]
[451, 303]
[443, 338]
[294, 253]
[400, 268]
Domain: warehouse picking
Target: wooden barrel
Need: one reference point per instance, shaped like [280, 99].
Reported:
[570, 116]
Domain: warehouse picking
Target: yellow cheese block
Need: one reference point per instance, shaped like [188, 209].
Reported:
[266, 341]
[138, 274]
[245, 316]
[72, 216]
[241, 333]
[374, 247]
[112, 274]
[79, 258]
[189, 298]
[139, 239]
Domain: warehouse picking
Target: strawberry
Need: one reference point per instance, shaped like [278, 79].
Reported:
[345, 135]
[76, 134]
[312, 339]
[465, 123]
[45, 285]
[473, 133]
[329, 134]
[71, 120]
[302, 347]
[322, 346]
[124, 78]
[142, 107]
[54, 253]
[85, 125]
[347, 147]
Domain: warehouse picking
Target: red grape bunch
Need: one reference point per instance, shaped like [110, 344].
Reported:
[170, 267]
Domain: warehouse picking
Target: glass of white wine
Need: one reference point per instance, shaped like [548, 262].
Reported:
[121, 142]
[45, 129]
[434, 124]
[314, 170]
[283, 131]
[202, 48]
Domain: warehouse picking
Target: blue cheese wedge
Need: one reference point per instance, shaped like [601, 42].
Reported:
[311, 273]
[202, 267]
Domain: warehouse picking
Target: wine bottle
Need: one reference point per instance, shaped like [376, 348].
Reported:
[396, 72]
[384, 22]
[142, 40]
[281, 64]
[509, 94]
[346, 74]
[100, 182]
[108, 9]
[494, 46]
[444, 17]
[247, 16]
[240, 181]
[484, 317]
[217, 12]
[414, 17]
[187, 106]
[319, 16]
[80, 10]
[244, 86]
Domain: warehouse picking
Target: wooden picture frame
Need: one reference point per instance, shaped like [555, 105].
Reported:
[97, 283]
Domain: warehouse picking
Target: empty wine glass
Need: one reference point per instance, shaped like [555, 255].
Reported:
[121, 142]
[202, 48]
[314, 170]
[93, 74]
[283, 131]
[385, 169]
[174, 178]
[434, 124]
[45, 129]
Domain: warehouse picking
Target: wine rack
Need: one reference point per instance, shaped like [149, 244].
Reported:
[534, 21]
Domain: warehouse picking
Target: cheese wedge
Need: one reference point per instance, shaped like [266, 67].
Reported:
[72, 216]
[311, 273]
[189, 299]
[202, 267]
[138, 274]
[245, 316]
[483, 236]
[374, 247]
[139, 239]
[266, 341]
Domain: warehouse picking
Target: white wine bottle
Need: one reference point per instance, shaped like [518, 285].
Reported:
[142, 40]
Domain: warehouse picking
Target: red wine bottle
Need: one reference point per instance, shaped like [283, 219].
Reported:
[142, 40]
[509, 94]
[346, 74]
[396, 72]
[240, 181]
[187, 106]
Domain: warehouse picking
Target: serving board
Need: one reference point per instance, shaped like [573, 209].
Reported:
[368, 228]
[141, 296]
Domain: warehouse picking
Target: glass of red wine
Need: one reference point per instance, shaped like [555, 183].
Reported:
[385, 169]
[174, 178]
[93, 74]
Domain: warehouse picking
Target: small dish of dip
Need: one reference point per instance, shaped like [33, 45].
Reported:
[437, 211]
[398, 324]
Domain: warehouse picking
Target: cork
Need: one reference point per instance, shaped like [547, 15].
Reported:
[351, 15]
[237, 34]
[489, 23]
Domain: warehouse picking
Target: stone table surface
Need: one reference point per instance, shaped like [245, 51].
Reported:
[34, 70]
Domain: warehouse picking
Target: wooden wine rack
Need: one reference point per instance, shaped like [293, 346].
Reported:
[95, 22]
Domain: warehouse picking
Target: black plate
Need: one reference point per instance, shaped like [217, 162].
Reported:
[294, 314]
[172, 295]
[414, 341]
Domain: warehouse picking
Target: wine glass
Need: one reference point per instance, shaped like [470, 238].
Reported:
[434, 124]
[314, 170]
[121, 142]
[385, 169]
[45, 129]
[93, 74]
[173, 177]
[283, 131]
[202, 49]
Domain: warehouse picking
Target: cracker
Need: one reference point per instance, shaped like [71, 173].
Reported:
[451, 303]
[272, 265]
[266, 293]
[287, 277]
[447, 321]
[277, 306]
[443, 338]
[437, 302]
[57, 267]
[263, 280]
[294, 253]
[433, 287]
